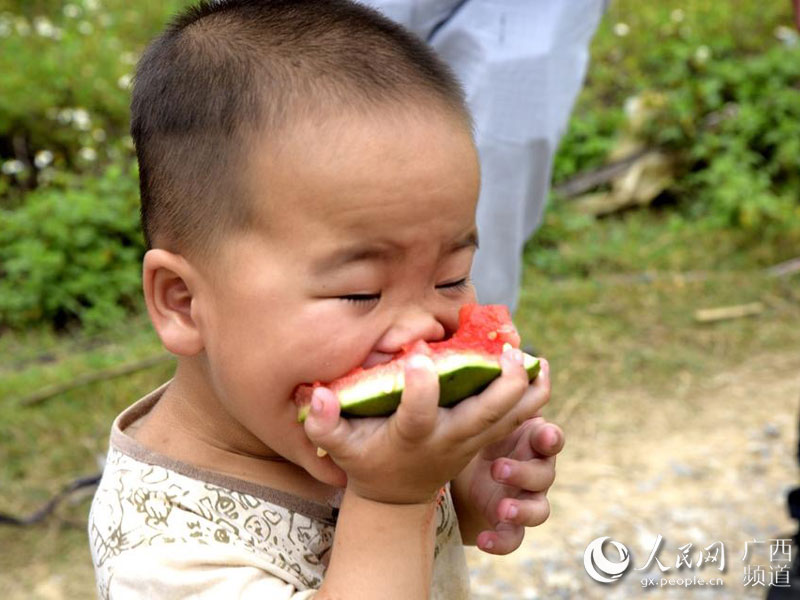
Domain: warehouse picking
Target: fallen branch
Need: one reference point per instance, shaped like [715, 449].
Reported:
[787, 267]
[47, 509]
[48, 392]
[588, 180]
[709, 315]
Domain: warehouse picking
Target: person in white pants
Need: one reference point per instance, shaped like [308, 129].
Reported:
[522, 63]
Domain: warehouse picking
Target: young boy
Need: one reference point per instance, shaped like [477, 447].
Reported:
[308, 184]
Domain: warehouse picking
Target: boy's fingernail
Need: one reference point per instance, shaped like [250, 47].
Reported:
[488, 545]
[550, 438]
[513, 354]
[505, 472]
[316, 403]
[511, 512]
[420, 362]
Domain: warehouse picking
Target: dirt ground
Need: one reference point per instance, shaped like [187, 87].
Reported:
[708, 461]
[705, 462]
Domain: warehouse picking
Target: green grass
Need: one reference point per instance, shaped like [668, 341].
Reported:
[574, 245]
[44, 447]
[611, 301]
[612, 334]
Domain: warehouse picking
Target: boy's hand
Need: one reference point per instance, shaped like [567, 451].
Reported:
[507, 482]
[408, 456]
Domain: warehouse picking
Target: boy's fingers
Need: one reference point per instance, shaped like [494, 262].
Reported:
[534, 475]
[507, 403]
[535, 396]
[514, 515]
[528, 510]
[546, 438]
[419, 404]
[323, 425]
[503, 539]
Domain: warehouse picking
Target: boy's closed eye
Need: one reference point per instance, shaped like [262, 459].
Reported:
[455, 286]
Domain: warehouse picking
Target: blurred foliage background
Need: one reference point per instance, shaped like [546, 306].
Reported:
[715, 87]
[703, 95]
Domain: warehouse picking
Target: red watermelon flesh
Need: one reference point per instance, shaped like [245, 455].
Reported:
[466, 363]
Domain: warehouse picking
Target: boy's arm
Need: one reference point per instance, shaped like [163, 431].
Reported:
[376, 542]
[471, 520]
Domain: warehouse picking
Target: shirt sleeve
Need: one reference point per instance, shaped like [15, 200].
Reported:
[167, 572]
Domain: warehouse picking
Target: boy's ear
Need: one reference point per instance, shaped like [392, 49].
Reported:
[167, 281]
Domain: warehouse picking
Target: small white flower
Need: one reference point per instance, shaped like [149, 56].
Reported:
[12, 167]
[702, 54]
[91, 4]
[87, 154]
[99, 135]
[124, 82]
[65, 116]
[81, 119]
[71, 11]
[85, 28]
[42, 158]
[44, 27]
[677, 15]
[5, 25]
[787, 35]
[622, 29]
[632, 106]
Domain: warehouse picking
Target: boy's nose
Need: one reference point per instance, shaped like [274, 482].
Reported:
[410, 326]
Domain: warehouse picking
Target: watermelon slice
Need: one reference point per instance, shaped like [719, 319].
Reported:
[466, 364]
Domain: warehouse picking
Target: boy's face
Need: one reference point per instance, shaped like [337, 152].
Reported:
[363, 243]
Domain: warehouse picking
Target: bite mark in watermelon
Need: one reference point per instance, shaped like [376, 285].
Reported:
[466, 363]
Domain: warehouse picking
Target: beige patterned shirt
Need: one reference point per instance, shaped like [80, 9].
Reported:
[161, 528]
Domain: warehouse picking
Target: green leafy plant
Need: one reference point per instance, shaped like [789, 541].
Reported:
[726, 80]
[65, 72]
[72, 252]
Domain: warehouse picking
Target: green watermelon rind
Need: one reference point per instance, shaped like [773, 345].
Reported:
[461, 375]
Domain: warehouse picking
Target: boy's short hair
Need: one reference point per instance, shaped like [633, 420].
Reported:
[225, 73]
